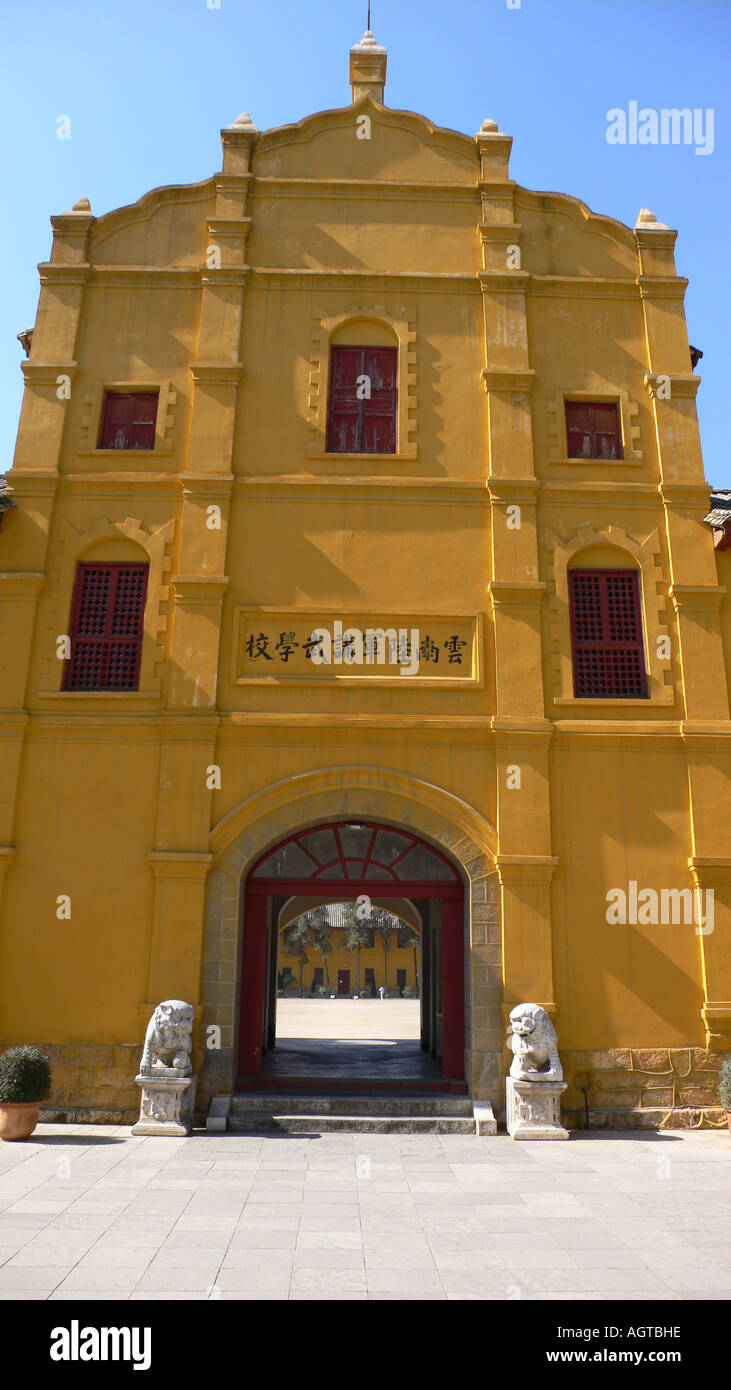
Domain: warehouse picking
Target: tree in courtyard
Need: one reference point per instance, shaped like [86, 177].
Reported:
[358, 931]
[295, 940]
[384, 923]
[318, 922]
[413, 940]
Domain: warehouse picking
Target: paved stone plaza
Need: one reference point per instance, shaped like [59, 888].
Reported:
[91, 1212]
[349, 1019]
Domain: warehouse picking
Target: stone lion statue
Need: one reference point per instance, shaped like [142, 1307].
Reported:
[533, 1042]
[168, 1040]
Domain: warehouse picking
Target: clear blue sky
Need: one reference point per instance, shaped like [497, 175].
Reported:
[149, 83]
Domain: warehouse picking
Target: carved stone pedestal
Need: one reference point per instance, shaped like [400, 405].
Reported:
[533, 1109]
[167, 1104]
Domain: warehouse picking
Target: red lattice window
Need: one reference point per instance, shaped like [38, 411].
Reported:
[362, 410]
[592, 430]
[606, 634]
[128, 420]
[107, 615]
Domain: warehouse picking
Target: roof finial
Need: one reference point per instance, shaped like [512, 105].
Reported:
[368, 67]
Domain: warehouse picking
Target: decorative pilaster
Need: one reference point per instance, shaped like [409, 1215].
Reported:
[525, 881]
[520, 729]
[177, 937]
[696, 598]
[207, 479]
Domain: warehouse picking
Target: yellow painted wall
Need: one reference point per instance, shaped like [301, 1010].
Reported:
[410, 232]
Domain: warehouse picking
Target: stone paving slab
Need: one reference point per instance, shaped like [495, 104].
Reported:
[93, 1212]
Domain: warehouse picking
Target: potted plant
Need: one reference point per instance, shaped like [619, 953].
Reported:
[25, 1080]
[724, 1089]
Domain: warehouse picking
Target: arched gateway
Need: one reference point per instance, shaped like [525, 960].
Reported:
[334, 835]
[343, 861]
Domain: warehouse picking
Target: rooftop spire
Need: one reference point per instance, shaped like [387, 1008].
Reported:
[368, 67]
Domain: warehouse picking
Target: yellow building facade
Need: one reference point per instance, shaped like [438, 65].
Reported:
[180, 424]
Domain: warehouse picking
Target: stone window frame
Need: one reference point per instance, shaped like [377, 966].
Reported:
[400, 322]
[167, 399]
[647, 557]
[71, 550]
[558, 448]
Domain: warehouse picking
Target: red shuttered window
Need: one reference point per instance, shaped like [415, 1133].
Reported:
[362, 409]
[107, 616]
[606, 634]
[128, 420]
[592, 430]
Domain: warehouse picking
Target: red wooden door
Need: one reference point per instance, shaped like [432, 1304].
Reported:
[343, 982]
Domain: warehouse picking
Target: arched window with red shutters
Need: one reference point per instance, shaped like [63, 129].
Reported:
[106, 627]
[606, 634]
[363, 397]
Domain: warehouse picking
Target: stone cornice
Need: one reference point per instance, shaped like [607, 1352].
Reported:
[187, 726]
[507, 379]
[436, 491]
[206, 484]
[64, 272]
[503, 281]
[507, 489]
[7, 855]
[41, 482]
[707, 866]
[716, 1010]
[189, 865]
[451, 724]
[566, 490]
[696, 595]
[582, 286]
[511, 593]
[704, 734]
[20, 584]
[216, 373]
[169, 277]
[379, 190]
[48, 372]
[684, 386]
[662, 286]
[601, 730]
[397, 280]
[224, 228]
[526, 868]
[101, 480]
[500, 233]
[512, 732]
[685, 494]
[200, 588]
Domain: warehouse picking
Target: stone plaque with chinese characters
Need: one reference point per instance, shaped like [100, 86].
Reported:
[273, 645]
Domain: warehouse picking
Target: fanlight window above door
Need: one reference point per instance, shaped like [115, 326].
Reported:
[351, 850]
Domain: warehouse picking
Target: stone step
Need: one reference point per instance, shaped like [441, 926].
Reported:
[377, 1105]
[257, 1121]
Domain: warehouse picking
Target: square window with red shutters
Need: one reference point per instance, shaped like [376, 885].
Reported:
[362, 407]
[128, 420]
[106, 627]
[593, 430]
[606, 635]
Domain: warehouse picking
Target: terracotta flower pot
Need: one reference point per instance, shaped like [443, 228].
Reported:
[18, 1119]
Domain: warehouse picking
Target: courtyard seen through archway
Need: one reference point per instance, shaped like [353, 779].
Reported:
[350, 998]
[353, 962]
